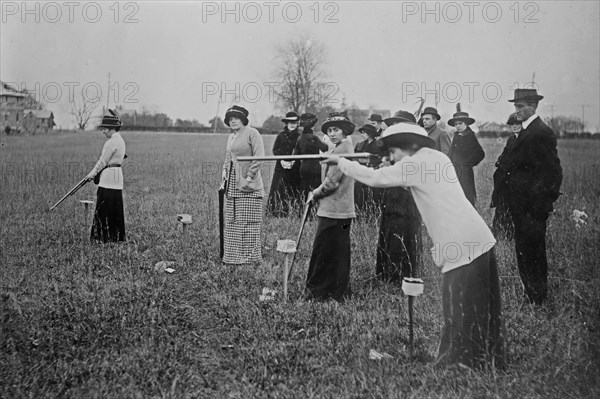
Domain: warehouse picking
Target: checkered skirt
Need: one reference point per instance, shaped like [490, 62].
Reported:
[243, 221]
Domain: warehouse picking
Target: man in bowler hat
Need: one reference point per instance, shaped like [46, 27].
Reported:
[529, 176]
[442, 138]
[376, 120]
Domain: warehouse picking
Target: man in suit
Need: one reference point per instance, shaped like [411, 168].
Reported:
[529, 176]
[443, 139]
[376, 120]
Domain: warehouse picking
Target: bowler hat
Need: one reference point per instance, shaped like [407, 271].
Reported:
[376, 118]
[110, 121]
[512, 120]
[400, 116]
[290, 117]
[431, 111]
[369, 130]
[339, 120]
[308, 120]
[526, 95]
[461, 117]
[237, 112]
[406, 133]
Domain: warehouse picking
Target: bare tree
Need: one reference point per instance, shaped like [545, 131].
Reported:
[82, 109]
[300, 73]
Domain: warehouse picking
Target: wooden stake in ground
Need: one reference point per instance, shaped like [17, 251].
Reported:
[288, 247]
[411, 287]
[86, 210]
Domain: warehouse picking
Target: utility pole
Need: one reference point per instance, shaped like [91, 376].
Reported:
[583, 117]
[108, 91]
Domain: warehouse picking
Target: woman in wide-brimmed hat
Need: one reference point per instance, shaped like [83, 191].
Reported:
[109, 219]
[463, 245]
[329, 268]
[285, 185]
[309, 144]
[465, 153]
[244, 190]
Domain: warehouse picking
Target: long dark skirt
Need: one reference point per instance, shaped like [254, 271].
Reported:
[284, 195]
[399, 246]
[367, 199]
[109, 219]
[329, 268]
[473, 330]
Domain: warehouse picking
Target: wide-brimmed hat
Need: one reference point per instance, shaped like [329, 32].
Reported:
[526, 95]
[290, 117]
[406, 133]
[308, 120]
[339, 120]
[431, 111]
[376, 118]
[400, 116]
[512, 120]
[461, 117]
[110, 121]
[238, 112]
[369, 130]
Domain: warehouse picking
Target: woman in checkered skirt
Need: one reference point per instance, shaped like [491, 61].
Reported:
[244, 192]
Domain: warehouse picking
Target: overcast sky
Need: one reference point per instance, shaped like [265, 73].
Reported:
[171, 56]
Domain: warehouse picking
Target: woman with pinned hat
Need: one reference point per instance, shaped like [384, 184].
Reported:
[329, 268]
[285, 186]
[244, 190]
[463, 245]
[465, 153]
[109, 219]
[309, 144]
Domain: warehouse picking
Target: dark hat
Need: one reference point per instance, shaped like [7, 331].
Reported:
[238, 112]
[431, 111]
[461, 117]
[512, 120]
[526, 95]
[290, 117]
[338, 119]
[375, 118]
[370, 130]
[111, 120]
[406, 133]
[308, 120]
[400, 116]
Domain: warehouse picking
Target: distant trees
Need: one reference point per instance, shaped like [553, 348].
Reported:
[299, 70]
[565, 125]
[82, 110]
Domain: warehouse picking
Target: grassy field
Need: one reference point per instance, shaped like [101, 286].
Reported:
[81, 320]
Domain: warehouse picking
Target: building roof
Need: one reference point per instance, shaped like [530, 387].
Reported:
[9, 91]
[40, 114]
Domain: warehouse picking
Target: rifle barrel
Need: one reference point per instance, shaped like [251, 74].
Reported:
[71, 192]
[309, 156]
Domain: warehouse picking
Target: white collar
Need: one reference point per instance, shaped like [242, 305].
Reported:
[528, 121]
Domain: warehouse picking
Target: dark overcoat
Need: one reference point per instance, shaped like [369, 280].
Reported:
[529, 174]
[466, 153]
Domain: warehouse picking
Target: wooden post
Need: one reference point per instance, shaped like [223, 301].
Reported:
[288, 247]
[185, 220]
[86, 210]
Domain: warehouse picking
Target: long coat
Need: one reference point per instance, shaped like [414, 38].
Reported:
[310, 169]
[466, 153]
[529, 173]
[285, 187]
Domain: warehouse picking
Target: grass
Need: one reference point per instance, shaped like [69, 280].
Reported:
[81, 320]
